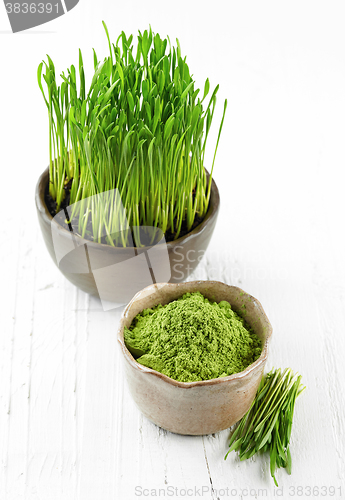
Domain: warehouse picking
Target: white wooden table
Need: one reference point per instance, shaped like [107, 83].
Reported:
[69, 430]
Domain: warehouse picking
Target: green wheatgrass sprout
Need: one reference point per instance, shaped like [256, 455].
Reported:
[267, 424]
[140, 128]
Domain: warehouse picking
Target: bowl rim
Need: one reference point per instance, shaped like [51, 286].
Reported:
[41, 206]
[187, 385]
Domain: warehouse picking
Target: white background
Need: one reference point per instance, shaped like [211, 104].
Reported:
[68, 427]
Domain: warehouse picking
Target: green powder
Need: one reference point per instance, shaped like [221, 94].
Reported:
[192, 338]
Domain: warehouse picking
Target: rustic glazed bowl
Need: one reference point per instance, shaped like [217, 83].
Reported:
[195, 408]
[184, 254]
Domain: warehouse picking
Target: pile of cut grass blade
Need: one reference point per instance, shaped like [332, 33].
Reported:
[267, 424]
[140, 128]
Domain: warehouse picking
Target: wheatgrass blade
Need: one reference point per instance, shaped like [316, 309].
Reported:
[267, 424]
[141, 117]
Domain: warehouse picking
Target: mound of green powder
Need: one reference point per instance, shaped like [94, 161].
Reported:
[192, 339]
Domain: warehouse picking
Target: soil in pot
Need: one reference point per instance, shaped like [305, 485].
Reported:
[62, 217]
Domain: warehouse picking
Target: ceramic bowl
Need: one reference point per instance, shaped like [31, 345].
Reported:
[195, 408]
[109, 280]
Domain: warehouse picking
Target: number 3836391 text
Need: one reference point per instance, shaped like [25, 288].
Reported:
[32, 8]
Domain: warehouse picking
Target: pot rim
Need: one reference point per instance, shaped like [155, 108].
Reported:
[42, 208]
[187, 385]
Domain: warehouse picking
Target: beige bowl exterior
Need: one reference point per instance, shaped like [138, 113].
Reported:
[184, 253]
[195, 408]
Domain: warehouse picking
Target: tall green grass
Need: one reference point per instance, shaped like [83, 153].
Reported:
[141, 128]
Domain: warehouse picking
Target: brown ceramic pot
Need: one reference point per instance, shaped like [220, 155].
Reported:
[118, 283]
[203, 407]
